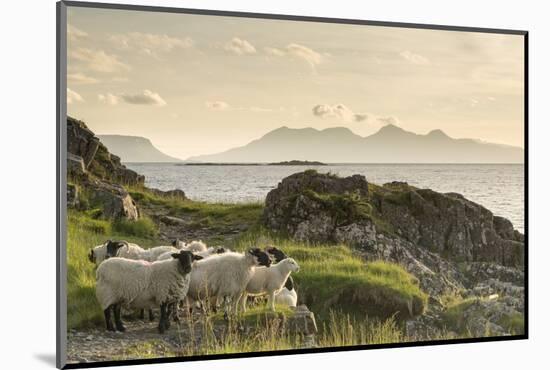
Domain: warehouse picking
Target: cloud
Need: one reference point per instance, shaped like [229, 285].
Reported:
[74, 33]
[301, 52]
[274, 52]
[310, 56]
[390, 120]
[339, 111]
[108, 98]
[81, 79]
[217, 105]
[239, 46]
[73, 97]
[147, 97]
[414, 58]
[98, 60]
[151, 44]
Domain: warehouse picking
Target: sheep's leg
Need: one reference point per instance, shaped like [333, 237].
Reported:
[271, 301]
[118, 321]
[169, 312]
[108, 322]
[142, 314]
[176, 311]
[162, 324]
[243, 300]
[151, 315]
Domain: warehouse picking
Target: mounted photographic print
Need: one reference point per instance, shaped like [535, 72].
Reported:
[238, 184]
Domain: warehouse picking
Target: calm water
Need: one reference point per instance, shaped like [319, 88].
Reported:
[497, 187]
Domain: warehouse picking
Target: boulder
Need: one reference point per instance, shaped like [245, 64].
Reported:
[113, 198]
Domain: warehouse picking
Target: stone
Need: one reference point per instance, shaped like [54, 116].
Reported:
[302, 321]
[175, 193]
[114, 199]
[171, 220]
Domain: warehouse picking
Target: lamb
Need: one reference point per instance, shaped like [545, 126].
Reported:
[224, 277]
[195, 246]
[143, 285]
[288, 295]
[270, 281]
[121, 248]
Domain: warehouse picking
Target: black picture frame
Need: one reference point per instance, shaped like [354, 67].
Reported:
[61, 196]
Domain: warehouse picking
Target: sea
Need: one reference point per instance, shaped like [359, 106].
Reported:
[498, 187]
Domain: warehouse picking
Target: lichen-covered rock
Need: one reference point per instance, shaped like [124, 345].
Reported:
[96, 159]
[450, 225]
[114, 200]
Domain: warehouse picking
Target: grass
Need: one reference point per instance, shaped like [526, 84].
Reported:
[513, 323]
[331, 275]
[83, 233]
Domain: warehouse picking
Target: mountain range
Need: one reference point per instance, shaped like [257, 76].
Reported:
[135, 149]
[391, 144]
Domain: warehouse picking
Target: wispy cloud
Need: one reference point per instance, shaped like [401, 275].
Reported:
[338, 111]
[147, 97]
[74, 33]
[73, 97]
[151, 44]
[297, 51]
[217, 105]
[81, 79]
[414, 58]
[239, 46]
[98, 60]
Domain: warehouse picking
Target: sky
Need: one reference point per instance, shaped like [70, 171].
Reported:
[196, 84]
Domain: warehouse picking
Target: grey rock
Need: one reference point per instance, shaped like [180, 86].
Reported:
[114, 199]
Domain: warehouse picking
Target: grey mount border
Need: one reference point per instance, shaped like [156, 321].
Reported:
[61, 168]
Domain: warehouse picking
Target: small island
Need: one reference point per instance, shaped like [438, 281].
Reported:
[297, 163]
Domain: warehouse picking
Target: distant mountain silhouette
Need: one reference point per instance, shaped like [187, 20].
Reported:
[135, 149]
[391, 144]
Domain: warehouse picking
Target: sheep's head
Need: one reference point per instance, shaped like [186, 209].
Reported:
[292, 264]
[220, 250]
[91, 256]
[112, 247]
[262, 258]
[98, 253]
[278, 254]
[186, 259]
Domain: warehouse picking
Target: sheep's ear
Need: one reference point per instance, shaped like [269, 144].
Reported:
[175, 243]
[175, 255]
[197, 257]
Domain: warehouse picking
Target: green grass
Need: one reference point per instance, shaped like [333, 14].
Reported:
[453, 317]
[332, 276]
[84, 233]
[513, 323]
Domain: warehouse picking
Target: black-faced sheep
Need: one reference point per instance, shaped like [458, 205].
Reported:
[123, 282]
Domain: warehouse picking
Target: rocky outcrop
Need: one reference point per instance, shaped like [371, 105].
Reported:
[175, 193]
[317, 207]
[449, 224]
[454, 247]
[87, 154]
[114, 200]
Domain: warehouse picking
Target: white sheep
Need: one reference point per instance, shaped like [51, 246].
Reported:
[270, 281]
[121, 248]
[224, 277]
[288, 295]
[123, 282]
[195, 246]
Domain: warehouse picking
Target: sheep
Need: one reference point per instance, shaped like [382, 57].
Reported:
[207, 253]
[223, 277]
[121, 248]
[142, 285]
[270, 281]
[288, 295]
[195, 246]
